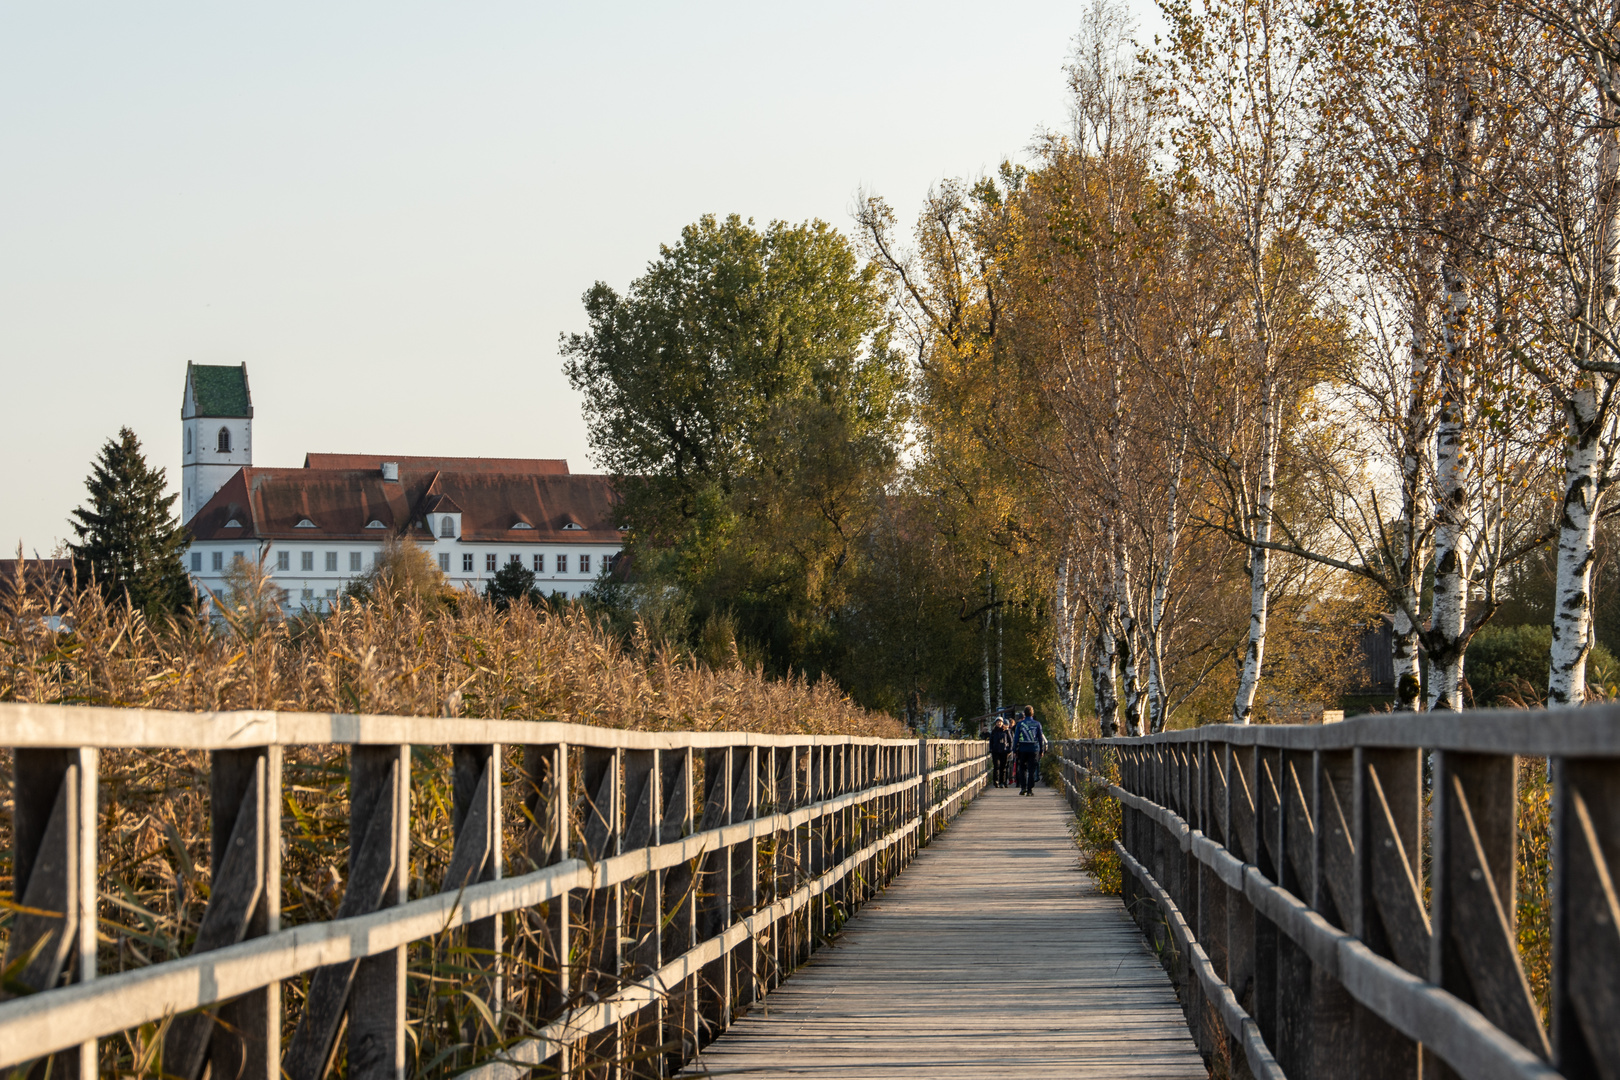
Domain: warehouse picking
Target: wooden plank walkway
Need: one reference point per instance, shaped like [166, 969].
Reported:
[991, 955]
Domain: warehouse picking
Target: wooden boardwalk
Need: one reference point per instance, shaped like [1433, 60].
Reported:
[992, 955]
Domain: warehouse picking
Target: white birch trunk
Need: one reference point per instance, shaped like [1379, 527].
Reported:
[1451, 464]
[1102, 677]
[1066, 642]
[1587, 430]
[1158, 697]
[1451, 468]
[1129, 651]
[1410, 551]
[1260, 531]
[984, 640]
[1577, 528]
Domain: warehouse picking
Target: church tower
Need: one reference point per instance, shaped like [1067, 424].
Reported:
[217, 421]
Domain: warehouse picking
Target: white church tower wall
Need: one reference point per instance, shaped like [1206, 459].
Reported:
[216, 420]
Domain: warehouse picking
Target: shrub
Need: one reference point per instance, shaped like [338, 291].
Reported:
[1507, 665]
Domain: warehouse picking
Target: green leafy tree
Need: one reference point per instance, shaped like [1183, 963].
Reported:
[128, 539]
[744, 393]
[513, 583]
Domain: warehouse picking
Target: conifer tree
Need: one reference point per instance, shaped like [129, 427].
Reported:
[128, 538]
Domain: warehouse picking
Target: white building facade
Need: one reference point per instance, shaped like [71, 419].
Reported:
[317, 528]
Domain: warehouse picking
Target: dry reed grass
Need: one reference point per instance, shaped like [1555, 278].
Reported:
[401, 653]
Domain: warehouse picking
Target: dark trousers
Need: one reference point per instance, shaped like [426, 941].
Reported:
[1001, 761]
[1029, 769]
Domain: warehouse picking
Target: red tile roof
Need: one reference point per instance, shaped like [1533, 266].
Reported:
[527, 466]
[269, 503]
[37, 572]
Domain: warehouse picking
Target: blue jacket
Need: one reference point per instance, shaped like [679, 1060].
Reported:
[1028, 736]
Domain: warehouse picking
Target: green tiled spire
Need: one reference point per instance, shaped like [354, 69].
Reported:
[220, 390]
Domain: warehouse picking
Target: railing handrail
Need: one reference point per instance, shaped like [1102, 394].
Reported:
[789, 832]
[30, 726]
[1591, 731]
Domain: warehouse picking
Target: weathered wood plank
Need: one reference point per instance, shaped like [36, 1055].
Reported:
[990, 955]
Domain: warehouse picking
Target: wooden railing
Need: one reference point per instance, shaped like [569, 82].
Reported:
[1341, 899]
[679, 877]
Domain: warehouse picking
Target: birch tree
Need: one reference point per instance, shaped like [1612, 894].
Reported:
[1238, 79]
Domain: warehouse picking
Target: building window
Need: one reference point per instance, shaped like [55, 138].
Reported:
[331, 594]
[188, 440]
[217, 562]
[489, 563]
[447, 527]
[539, 564]
[516, 560]
[224, 440]
[584, 564]
[237, 556]
[354, 559]
[307, 596]
[466, 563]
[444, 562]
[562, 564]
[331, 562]
[306, 560]
[283, 560]
[196, 562]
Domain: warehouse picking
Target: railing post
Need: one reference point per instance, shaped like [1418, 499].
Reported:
[1333, 1033]
[1388, 914]
[679, 930]
[744, 874]
[244, 901]
[601, 906]
[714, 890]
[1211, 925]
[1586, 932]
[54, 869]
[641, 1032]
[1474, 947]
[547, 800]
[477, 856]
[925, 790]
[379, 813]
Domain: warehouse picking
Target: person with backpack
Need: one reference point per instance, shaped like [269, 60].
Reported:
[1029, 742]
[1001, 745]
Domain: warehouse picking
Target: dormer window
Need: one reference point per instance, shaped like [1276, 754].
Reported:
[375, 524]
[305, 523]
[233, 524]
[573, 525]
[224, 440]
[447, 527]
[521, 525]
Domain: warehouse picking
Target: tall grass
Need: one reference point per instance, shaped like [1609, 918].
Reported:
[402, 651]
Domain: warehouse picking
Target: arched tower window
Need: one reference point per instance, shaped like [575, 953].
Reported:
[224, 440]
[447, 527]
[188, 440]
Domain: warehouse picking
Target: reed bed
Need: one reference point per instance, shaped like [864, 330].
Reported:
[401, 652]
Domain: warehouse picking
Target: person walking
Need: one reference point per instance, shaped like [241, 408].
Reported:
[1029, 742]
[1001, 745]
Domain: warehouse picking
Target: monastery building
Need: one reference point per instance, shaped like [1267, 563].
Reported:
[318, 526]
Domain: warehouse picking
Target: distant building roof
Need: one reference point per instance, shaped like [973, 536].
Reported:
[268, 504]
[219, 390]
[34, 571]
[526, 466]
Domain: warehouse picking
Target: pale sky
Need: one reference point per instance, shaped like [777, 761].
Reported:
[390, 211]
